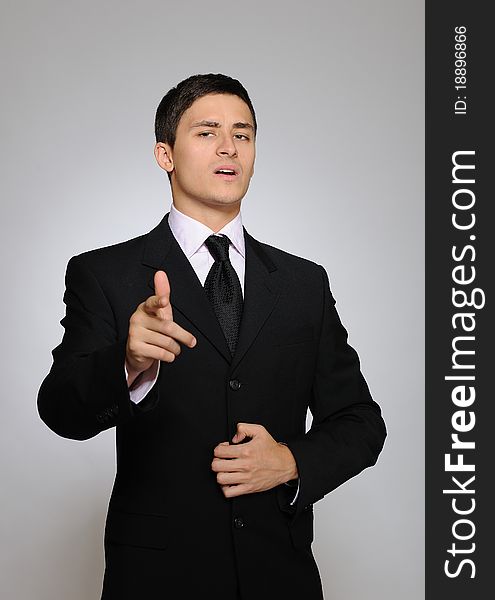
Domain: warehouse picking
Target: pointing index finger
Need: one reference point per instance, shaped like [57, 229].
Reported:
[155, 303]
[159, 304]
[162, 284]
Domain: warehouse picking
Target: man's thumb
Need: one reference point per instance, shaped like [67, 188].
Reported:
[243, 431]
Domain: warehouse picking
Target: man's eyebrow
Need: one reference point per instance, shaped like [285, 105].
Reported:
[206, 123]
[243, 125]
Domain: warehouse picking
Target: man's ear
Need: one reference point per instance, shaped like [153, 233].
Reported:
[163, 155]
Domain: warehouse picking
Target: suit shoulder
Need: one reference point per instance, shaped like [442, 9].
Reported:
[114, 254]
[291, 261]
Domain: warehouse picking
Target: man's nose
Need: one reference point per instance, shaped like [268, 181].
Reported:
[226, 145]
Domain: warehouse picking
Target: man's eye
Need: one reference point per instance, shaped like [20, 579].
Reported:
[241, 136]
[205, 133]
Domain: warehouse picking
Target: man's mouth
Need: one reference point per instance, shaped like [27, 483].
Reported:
[226, 173]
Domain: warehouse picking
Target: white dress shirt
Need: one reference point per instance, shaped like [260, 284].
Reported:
[191, 235]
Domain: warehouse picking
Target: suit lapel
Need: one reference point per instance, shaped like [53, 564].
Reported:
[262, 286]
[261, 289]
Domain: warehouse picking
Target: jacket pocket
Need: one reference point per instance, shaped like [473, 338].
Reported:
[137, 529]
[302, 530]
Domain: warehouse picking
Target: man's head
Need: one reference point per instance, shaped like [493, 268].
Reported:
[177, 100]
[203, 124]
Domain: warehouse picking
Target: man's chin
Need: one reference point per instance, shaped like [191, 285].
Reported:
[224, 200]
[215, 199]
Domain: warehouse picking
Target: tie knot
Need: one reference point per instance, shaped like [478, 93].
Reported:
[218, 245]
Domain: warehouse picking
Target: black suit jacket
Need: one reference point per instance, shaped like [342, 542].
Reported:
[170, 532]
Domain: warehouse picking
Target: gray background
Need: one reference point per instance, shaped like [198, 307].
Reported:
[338, 89]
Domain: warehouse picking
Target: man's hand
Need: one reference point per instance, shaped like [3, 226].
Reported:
[153, 335]
[254, 466]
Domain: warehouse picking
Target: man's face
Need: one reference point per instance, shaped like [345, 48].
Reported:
[215, 132]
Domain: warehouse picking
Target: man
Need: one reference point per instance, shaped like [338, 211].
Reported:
[205, 347]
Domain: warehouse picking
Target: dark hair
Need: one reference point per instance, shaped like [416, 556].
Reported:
[177, 100]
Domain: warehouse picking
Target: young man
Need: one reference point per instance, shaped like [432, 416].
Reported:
[205, 347]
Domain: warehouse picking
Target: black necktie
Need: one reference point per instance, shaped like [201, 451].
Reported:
[223, 289]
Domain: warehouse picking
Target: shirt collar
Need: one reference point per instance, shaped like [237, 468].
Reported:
[191, 234]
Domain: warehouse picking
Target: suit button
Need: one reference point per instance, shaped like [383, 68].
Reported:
[238, 523]
[234, 384]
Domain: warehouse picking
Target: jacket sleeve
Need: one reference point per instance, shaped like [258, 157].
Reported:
[348, 432]
[86, 391]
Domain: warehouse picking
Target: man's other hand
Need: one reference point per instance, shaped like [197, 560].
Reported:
[153, 335]
[256, 465]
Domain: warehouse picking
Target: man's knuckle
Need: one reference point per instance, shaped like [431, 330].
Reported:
[172, 346]
[135, 329]
[167, 356]
[167, 327]
[132, 343]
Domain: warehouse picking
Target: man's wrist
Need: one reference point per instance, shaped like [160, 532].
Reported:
[293, 474]
[131, 375]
